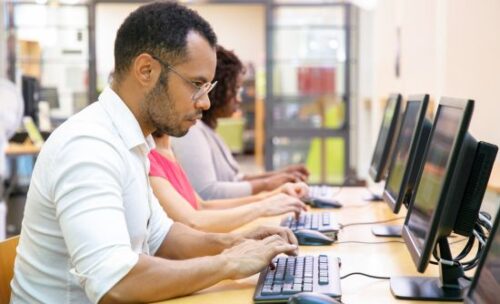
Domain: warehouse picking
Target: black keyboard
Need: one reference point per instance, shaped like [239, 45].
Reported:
[323, 222]
[298, 274]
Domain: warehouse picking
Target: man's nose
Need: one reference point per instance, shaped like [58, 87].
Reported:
[203, 102]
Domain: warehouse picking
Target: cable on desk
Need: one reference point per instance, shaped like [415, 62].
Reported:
[342, 226]
[364, 274]
[371, 243]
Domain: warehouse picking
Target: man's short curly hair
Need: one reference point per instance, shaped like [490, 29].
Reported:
[158, 28]
[228, 68]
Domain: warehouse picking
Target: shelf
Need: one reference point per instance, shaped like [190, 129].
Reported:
[300, 97]
[309, 27]
[53, 61]
[50, 27]
[305, 61]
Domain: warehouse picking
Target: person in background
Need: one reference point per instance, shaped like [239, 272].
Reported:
[93, 232]
[182, 204]
[11, 114]
[205, 157]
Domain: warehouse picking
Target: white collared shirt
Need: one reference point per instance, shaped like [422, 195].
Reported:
[90, 210]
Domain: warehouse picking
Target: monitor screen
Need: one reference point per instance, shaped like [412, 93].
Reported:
[385, 137]
[404, 159]
[439, 188]
[30, 89]
[50, 95]
[486, 283]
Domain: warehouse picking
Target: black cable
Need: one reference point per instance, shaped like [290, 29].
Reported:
[342, 226]
[364, 274]
[467, 278]
[371, 243]
[482, 231]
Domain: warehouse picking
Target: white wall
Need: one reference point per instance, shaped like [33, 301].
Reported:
[472, 66]
[238, 27]
[448, 48]
[3, 43]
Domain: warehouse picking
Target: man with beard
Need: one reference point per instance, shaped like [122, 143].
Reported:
[92, 230]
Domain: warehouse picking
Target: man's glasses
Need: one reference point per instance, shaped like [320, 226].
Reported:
[200, 91]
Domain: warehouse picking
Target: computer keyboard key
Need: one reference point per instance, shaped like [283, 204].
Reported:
[308, 287]
[267, 290]
[308, 280]
[297, 288]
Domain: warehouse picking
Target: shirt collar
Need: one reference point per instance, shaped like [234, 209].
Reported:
[125, 122]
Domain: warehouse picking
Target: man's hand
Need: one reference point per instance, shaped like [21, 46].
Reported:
[263, 232]
[298, 190]
[251, 256]
[298, 170]
[276, 180]
[281, 203]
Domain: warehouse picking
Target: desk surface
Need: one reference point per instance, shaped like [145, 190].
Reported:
[388, 259]
[21, 149]
[494, 181]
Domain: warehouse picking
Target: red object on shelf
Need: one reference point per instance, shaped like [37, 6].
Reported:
[316, 80]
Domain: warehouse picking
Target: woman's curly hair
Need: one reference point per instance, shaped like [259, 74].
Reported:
[228, 68]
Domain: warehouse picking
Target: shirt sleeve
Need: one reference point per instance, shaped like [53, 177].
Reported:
[159, 225]
[194, 154]
[87, 192]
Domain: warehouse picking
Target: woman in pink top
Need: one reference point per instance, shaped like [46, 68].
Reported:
[182, 204]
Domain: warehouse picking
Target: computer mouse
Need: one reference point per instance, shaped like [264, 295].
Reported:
[312, 298]
[308, 237]
[323, 202]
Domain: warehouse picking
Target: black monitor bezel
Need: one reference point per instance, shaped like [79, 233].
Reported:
[396, 202]
[438, 227]
[376, 171]
[484, 255]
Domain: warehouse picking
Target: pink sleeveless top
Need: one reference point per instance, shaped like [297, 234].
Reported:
[172, 171]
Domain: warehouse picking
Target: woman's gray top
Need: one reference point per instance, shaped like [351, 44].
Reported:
[209, 164]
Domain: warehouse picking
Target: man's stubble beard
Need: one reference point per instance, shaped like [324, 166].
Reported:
[159, 110]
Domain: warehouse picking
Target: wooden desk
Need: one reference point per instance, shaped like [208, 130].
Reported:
[21, 149]
[390, 259]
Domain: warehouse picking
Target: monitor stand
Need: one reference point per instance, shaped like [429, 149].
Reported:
[372, 196]
[447, 287]
[387, 230]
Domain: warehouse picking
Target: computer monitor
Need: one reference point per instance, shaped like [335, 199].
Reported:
[50, 95]
[30, 89]
[385, 138]
[448, 194]
[406, 160]
[486, 282]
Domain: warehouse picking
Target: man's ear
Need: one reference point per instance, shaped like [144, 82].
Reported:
[146, 70]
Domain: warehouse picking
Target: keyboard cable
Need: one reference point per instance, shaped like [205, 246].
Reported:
[364, 274]
[342, 226]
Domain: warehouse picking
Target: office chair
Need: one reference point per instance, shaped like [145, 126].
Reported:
[7, 257]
